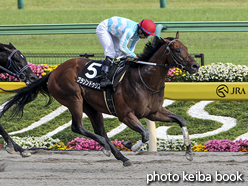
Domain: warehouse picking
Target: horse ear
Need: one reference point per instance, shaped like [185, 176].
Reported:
[177, 35]
[7, 49]
[12, 46]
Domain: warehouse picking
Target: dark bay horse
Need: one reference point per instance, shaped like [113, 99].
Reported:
[14, 62]
[140, 94]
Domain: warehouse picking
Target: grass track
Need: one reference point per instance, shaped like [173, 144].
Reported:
[217, 47]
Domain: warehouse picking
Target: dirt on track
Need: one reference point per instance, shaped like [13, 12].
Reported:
[92, 168]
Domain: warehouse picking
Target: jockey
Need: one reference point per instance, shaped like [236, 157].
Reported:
[115, 34]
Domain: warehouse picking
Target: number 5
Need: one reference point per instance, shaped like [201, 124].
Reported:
[93, 69]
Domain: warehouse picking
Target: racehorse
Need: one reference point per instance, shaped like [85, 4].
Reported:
[14, 62]
[140, 94]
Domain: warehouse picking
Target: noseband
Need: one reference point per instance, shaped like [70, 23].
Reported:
[10, 64]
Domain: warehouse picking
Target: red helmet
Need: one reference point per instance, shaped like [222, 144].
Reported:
[148, 26]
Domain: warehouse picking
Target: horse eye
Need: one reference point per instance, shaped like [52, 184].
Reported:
[177, 50]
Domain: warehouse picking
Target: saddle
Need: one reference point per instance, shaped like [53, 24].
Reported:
[90, 76]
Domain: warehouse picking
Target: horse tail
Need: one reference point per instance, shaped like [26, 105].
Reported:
[25, 95]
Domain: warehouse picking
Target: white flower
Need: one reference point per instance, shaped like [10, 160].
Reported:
[35, 142]
[226, 72]
[170, 144]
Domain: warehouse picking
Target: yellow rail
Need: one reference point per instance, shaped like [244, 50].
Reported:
[206, 91]
[185, 90]
[11, 86]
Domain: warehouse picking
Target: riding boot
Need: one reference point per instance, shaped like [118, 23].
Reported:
[105, 72]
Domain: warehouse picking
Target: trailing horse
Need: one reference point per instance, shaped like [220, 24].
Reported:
[14, 62]
[140, 94]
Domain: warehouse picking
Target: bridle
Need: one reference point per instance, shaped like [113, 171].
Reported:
[12, 65]
[176, 59]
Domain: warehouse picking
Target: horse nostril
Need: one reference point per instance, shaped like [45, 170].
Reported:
[195, 66]
[33, 78]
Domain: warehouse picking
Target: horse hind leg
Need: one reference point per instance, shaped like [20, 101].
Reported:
[17, 148]
[79, 128]
[11, 146]
[98, 125]
[74, 102]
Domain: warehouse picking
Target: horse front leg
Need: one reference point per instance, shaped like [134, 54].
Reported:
[182, 123]
[167, 116]
[132, 122]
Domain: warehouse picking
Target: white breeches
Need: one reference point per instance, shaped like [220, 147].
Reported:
[109, 42]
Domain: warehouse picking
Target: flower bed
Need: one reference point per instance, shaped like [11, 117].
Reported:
[84, 144]
[60, 146]
[227, 145]
[90, 144]
[170, 144]
[219, 72]
[39, 70]
[35, 142]
[162, 145]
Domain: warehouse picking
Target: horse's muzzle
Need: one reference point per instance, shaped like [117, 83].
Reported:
[28, 79]
[192, 67]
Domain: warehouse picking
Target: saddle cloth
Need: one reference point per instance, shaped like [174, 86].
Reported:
[90, 76]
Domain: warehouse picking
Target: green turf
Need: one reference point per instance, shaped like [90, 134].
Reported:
[216, 46]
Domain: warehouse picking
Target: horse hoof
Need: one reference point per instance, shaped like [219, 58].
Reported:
[10, 149]
[128, 144]
[25, 154]
[106, 152]
[127, 163]
[189, 156]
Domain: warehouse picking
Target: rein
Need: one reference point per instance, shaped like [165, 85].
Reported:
[153, 64]
[154, 91]
[16, 72]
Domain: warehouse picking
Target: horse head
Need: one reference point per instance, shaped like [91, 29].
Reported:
[16, 64]
[179, 55]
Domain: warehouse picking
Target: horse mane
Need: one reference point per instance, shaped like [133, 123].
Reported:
[10, 46]
[151, 47]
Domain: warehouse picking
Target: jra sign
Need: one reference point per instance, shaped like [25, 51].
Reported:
[206, 91]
